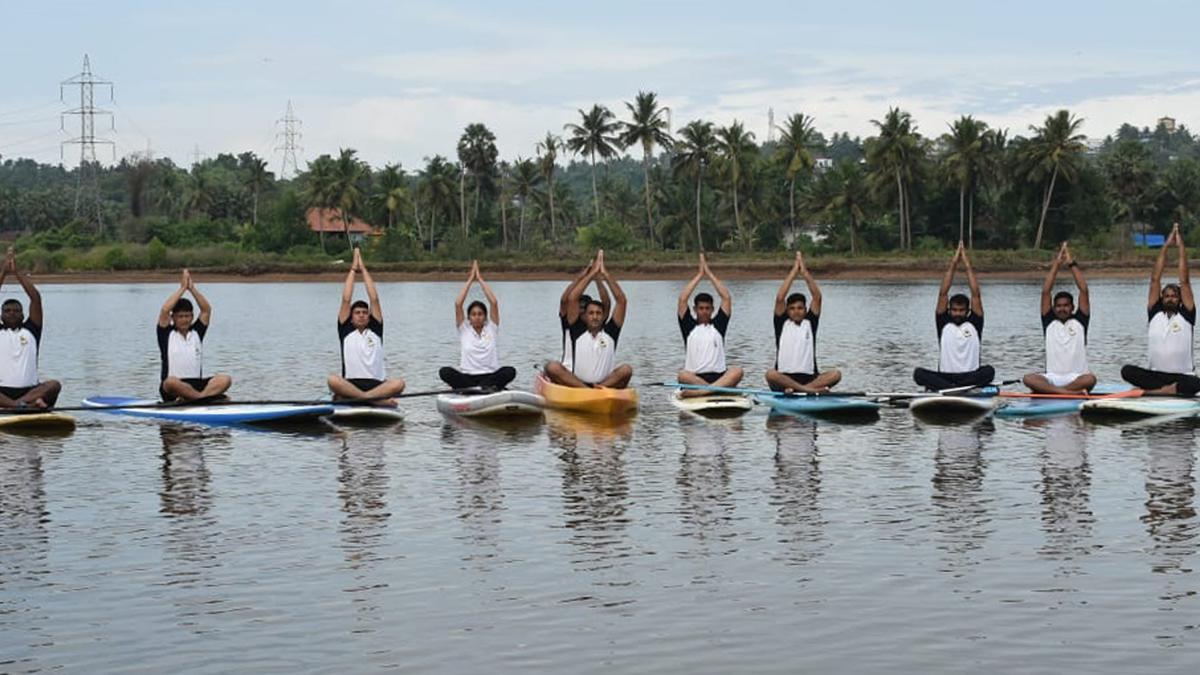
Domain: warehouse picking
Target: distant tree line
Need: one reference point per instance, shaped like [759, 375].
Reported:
[628, 182]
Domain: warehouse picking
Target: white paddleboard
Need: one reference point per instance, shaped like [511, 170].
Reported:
[1147, 406]
[365, 414]
[507, 403]
[947, 405]
[714, 405]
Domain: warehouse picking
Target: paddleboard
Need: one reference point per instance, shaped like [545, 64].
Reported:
[1129, 408]
[225, 413]
[828, 405]
[36, 422]
[947, 406]
[714, 405]
[365, 415]
[506, 403]
[1045, 407]
[596, 401]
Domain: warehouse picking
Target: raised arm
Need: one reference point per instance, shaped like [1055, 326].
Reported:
[973, 284]
[782, 293]
[201, 301]
[462, 295]
[1085, 298]
[1185, 282]
[1051, 276]
[1156, 275]
[577, 292]
[35, 298]
[348, 291]
[690, 288]
[493, 303]
[372, 291]
[814, 291]
[575, 281]
[618, 315]
[164, 314]
[943, 300]
[726, 299]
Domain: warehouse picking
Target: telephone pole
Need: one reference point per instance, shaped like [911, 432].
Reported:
[287, 138]
[87, 193]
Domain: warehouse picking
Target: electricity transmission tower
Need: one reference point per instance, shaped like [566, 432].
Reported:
[770, 125]
[87, 193]
[287, 138]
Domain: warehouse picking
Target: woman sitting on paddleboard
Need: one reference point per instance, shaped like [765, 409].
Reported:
[479, 363]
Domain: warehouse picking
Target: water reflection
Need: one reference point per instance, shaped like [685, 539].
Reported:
[1067, 517]
[186, 480]
[363, 491]
[796, 494]
[703, 479]
[1170, 516]
[959, 500]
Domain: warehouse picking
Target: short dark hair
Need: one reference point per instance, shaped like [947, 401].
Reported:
[797, 297]
[360, 303]
[703, 297]
[482, 307]
[1064, 294]
[584, 299]
[182, 305]
[596, 303]
[1174, 287]
[11, 301]
[960, 300]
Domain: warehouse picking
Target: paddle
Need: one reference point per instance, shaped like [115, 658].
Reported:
[867, 394]
[1129, 393]
[209, 402]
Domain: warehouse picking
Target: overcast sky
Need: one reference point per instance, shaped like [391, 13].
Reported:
[398, 80]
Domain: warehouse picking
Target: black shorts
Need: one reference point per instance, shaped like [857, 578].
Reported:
[711, 377]
[15, 392]
[802, 378]
[197, 383]
[364, 384]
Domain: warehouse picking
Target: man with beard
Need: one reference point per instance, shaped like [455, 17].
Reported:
[593, 340]
[959, 323]
[20, 342]
[796, 320]
[1172, 313]
[1066, 334]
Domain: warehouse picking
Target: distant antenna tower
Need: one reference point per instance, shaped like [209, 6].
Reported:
[770, 125]
[87, 193]
[287, 138]
[670, 128]
[197, 155]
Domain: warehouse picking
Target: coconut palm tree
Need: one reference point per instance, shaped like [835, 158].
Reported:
[842, 191]
[477, 155]
[391, 191]
[797, 138]
[524, 178]
[647, 127]
[547, 150]
[1055, 149]
[437, 187]
[966, 146]
[318, 189]
[694, 153]
[1130, 171]
[258, 179]
[894, 156]
[596, 134]
[349, 187]
[736, 149]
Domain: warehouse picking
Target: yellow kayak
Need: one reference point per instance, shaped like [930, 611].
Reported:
[597, 401]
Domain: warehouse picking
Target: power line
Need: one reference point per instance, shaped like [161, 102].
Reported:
[289, 167]
[88, 190]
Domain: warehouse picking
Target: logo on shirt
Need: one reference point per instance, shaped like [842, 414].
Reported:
[24, 340]
[1174, 327]
[1071, 331]
[603, 343]
[968, 332]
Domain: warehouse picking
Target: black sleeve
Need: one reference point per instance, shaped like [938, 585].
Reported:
[1048, 318]
[779, 320]
[345, 328]
[977, 321]
[375, 325]
[613, 329]
[200, 327]
[34, 328]
[941, 320]
[562, 322]
[1083, 318]
[813, 320]
[1154, 309]
[721, 321]
[686, 323]
[164, 335]
[576, 329]
[1189, 315]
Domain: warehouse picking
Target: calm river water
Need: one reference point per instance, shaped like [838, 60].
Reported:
[663, 545]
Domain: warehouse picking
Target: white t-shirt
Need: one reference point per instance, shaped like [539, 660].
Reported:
[796, 344]
[182, 357]
[19, 355]
[595, 355]
[1066, 343]
[705, 342]
[1170, 340]
[362, 351]
[479, 351]
[959, 343]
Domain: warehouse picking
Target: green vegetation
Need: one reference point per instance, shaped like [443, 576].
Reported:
[629, 185]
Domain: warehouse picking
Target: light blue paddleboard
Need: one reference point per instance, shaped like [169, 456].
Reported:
[829, 405]
[1045, 407]
[226, 413]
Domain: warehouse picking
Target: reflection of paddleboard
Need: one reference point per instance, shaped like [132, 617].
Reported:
[365, 414]
[714, 405]
[225, 413]
[943, 405]
[829, 405]
[1039, 406]
[1128, 408]
[36, 422]
[506, 403]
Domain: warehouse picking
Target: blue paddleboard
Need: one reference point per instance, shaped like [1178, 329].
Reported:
[825, 404]
[225, 413]
[1045, 407]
